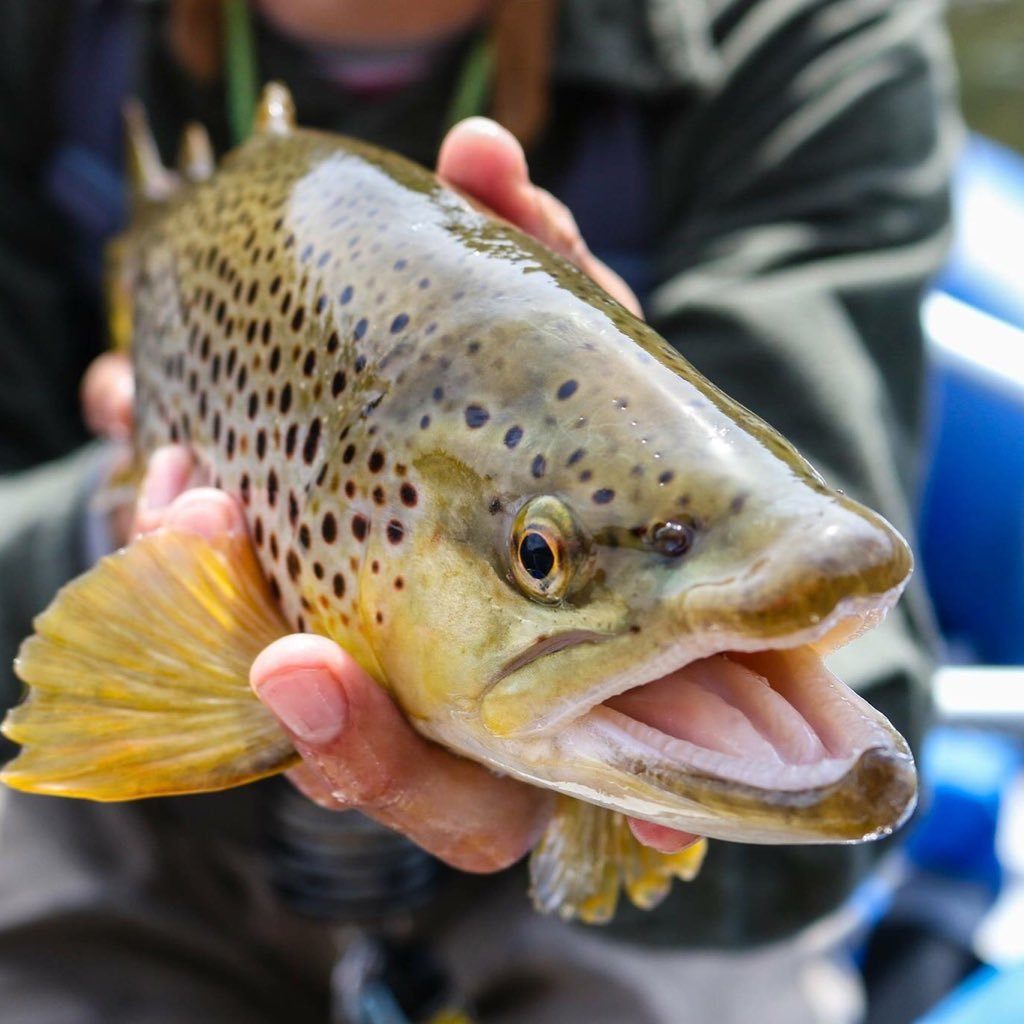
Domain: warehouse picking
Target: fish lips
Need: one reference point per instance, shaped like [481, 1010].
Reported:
[764, 746]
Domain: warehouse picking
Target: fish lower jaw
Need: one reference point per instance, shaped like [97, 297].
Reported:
[762, 746]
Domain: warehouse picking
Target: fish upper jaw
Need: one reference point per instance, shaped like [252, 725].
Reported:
[507, 710]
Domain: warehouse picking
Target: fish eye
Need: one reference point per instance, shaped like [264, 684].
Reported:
[546, 549]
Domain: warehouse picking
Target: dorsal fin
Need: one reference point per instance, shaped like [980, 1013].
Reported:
[275, 114]
[150, 180]
[195, 155]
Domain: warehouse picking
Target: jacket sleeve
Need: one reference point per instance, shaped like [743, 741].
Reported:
[805, 202]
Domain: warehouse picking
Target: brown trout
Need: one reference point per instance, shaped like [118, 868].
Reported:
[565, 553]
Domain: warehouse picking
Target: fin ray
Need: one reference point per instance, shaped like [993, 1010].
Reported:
[588, 854]
[138, 676]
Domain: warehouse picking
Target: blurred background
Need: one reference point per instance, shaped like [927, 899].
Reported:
[950, 915]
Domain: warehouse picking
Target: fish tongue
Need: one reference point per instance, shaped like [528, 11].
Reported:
[722, 705]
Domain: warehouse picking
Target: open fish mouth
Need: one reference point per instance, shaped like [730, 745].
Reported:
[759, 745]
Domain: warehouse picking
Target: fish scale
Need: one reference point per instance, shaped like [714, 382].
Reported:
[509, 499]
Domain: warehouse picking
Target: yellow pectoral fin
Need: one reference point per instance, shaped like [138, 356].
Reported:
[588, 853]
[138, 676]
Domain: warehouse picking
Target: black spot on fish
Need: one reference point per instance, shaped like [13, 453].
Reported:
[292, 562]
[338, 584]
[360, 527]
[338, 383]
[576, 456]
[737, 503]
[312, 442]
[408, 495]
[360, 329]
[476, 416]
[395, 531]
[360, 364]
[275, 359]
[375, 461]
[437, 394]
[603, 496]
[293, 508]
[290, 440]
[329, 528]
[513, 436]
[666, 477]
[261, 443]
[272, 488]
[348, 454]
[424, 422]
[567, 389]
[304, 536]
[399, 323]
[400, 264]
[309, 363]
[321, 304]
[298, 317]
[346, 295]
[333, 342]
[539, 466]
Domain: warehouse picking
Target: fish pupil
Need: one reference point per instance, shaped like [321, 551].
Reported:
[536, 556]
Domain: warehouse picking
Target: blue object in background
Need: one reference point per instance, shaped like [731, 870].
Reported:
[966, 774]
[984, 267]
[972, 514]
[987, 997]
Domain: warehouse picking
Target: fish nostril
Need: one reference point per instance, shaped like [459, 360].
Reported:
[673, 539]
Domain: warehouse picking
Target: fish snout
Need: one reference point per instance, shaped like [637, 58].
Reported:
[813, 565]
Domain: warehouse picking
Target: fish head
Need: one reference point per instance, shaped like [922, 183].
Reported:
[620, 584]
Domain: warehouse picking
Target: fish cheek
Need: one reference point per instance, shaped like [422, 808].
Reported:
[437, 617]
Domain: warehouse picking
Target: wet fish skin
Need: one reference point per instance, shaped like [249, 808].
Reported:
[399, 388]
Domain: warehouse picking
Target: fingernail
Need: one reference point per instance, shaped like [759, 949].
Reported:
[309, 704]
[204, 513]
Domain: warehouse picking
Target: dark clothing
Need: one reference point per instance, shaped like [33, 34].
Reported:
[772, 180]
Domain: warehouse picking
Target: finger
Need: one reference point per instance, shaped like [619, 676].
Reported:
[484, 160]
[107, 393]
[660, 838]
[169, 472]
[361, 753]
[206, 511]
